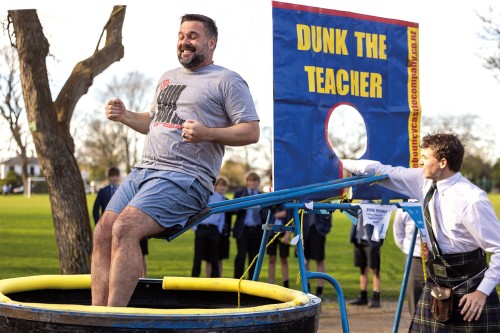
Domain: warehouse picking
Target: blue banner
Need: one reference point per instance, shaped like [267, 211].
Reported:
[324, 59]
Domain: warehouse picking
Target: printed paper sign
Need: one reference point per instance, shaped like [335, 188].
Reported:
[379, 216]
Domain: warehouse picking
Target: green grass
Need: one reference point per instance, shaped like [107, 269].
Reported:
[28, 247]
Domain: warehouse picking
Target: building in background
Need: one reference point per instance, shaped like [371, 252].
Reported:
[14, 164]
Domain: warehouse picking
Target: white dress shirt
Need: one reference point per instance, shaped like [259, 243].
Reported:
[461, 212]
[402, 230]
[215, 219]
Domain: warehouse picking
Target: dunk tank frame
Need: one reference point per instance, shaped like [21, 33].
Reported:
[288, 199]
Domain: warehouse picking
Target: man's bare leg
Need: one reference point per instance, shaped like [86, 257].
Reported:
[126, 257]
[101, 258]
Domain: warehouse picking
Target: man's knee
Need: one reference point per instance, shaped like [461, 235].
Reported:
[124, 230]
[102, 234]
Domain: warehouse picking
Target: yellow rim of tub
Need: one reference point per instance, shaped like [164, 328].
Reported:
[288, 298]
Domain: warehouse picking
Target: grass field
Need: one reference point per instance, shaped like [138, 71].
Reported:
[28, 247]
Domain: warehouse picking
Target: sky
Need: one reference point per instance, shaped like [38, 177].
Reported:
[452, 77]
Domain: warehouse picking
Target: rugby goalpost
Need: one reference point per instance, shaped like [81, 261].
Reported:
[27, 191]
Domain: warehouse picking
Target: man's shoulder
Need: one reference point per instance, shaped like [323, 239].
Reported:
[469, 190]
[223, 72]
[210, 72]
[239, 191]
[103, 189]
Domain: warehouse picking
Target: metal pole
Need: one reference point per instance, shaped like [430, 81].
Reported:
[405, 281]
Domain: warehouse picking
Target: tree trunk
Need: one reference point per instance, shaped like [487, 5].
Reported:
[50, 125]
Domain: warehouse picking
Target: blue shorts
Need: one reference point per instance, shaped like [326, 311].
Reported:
[167, 197]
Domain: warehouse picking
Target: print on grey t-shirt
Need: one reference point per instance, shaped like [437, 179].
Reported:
[167, 105]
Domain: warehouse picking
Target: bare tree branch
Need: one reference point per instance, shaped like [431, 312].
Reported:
[84, 72]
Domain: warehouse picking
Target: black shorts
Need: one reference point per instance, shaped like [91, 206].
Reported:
[224, 247]
[366, 255]
[272, 248]
[314, 245]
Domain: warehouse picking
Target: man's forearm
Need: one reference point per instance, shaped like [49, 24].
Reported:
[237, 135]
[138, 121]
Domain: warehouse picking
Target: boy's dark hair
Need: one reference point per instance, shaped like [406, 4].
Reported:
[252, 175]
[446, 146]
[113, 171]
[210, 26]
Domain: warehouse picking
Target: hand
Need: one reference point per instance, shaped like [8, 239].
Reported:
[280, 214]
[194, 131]
[472, 305]
[286, 238]
[115, 110]
[426, 252]
[346, 173]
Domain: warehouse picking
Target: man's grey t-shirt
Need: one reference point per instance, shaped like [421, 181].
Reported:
[212, 95]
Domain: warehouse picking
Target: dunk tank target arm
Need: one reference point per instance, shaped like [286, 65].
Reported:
[269, 199]
[284, 198]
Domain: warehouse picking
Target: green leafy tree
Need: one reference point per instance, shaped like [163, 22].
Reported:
[495, 176]
[235, 172]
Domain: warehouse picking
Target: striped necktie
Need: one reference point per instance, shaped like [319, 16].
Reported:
[436, 251]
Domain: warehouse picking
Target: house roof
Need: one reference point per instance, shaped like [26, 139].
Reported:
[17, 161]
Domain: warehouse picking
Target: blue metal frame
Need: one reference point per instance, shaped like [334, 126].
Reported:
[402, 292]
[287, 199]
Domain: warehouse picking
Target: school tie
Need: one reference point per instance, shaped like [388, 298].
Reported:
[427, 217]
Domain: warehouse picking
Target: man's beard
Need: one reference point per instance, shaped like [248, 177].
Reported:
[193, 62]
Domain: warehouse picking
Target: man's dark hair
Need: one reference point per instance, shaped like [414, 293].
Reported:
[210, 26]
[446, 146]
[113, 171]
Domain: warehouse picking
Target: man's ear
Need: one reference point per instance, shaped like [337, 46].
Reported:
[212, 43]
[443, 163]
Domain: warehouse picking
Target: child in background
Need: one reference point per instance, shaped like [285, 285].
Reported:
[208, 234]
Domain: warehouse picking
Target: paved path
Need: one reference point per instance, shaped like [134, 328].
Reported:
[362, 319]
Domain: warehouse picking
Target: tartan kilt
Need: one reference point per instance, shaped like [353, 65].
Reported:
[424, 322]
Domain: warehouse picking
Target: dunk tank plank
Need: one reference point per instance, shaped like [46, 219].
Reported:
[324, 59]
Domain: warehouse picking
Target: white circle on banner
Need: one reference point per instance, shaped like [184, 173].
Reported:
[346, 132]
